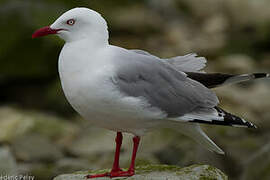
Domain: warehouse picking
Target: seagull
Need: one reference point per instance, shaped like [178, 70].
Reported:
[133, 91]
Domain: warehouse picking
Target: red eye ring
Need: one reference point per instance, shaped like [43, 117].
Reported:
[71, 22]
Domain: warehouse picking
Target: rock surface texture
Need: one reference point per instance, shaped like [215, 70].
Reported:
[7, 162]
[159, 172]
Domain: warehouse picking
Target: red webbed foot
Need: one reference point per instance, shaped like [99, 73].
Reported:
[122, 173]
[112, 174]
[98, 175]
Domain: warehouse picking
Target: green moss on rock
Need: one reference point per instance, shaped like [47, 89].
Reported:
[159, 172]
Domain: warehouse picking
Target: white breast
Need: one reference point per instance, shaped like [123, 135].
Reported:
[87, 84]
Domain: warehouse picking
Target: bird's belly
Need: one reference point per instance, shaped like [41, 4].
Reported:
[99, 101]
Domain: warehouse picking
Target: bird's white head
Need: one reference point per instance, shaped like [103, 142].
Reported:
[77, 24]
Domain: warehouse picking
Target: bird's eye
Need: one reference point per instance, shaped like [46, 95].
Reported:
[71, 22]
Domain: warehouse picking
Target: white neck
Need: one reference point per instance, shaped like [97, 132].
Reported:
[73, 59]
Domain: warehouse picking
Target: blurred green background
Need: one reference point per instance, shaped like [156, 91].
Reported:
[41, 135]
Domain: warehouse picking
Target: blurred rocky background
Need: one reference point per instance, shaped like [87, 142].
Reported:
[41, 135]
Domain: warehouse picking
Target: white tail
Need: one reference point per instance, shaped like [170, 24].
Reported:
[195, 132]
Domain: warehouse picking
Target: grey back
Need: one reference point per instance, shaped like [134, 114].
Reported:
[163, 86]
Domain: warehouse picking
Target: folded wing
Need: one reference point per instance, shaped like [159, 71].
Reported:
[162, 85]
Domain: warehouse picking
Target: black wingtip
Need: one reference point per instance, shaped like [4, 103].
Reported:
[246, 124]
[260, 75]
[233, 120]
[251, 125]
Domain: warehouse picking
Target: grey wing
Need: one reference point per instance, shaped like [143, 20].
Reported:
[180, 96]
[187, 63]
[139, 51]
[161, 85]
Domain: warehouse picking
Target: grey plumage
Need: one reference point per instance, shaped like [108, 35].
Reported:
[168, 89]
[184, 97]
[188, 63]
[192, 65]
[161, 85]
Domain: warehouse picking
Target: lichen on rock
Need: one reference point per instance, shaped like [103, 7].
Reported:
[159, 172]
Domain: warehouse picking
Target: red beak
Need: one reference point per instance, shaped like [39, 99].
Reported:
[44, 31]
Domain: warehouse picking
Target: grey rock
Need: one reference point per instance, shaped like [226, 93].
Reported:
[35, 147]
[72, 164]
[15, 123]
[8, 164]
[40, 170]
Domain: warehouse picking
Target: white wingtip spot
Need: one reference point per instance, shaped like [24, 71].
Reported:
[219, 151]
[222, 153]
[254, 126]
[239, 126]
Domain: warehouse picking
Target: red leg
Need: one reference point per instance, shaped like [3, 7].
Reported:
[118, 140]
[115, 168]
[116, 171]
[131, 169]
[136, 141]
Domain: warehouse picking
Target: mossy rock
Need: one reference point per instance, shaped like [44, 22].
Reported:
[159, 172]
